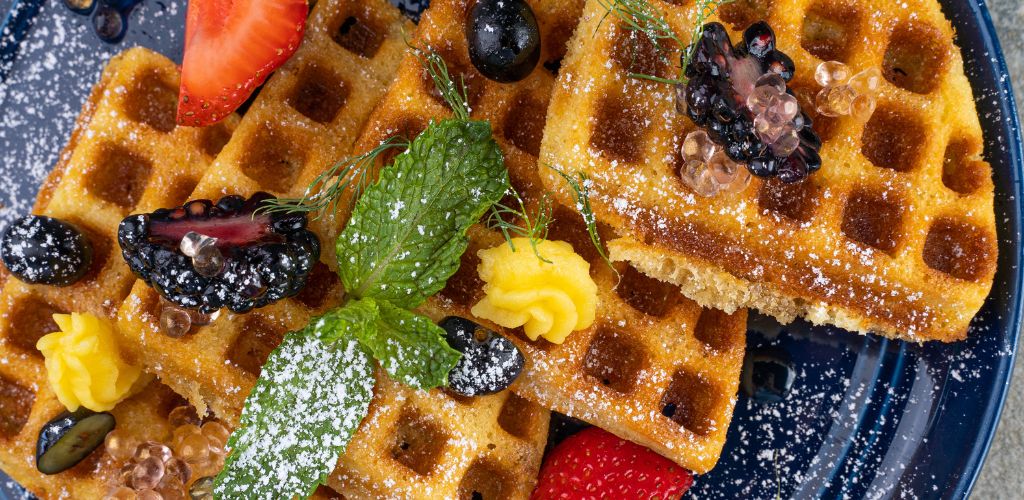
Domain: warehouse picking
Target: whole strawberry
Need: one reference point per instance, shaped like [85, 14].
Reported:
[597, 464]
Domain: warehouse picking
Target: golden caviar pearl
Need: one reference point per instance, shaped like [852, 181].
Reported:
[119, 446]
[194, 449]
[183, 415]
[84, 365]
[120, 493]
[217, 434]
[548, 299]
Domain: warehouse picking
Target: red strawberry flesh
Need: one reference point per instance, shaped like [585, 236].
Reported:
[231, 47]
[597, 464]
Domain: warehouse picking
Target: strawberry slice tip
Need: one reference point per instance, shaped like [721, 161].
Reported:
[231, 47]
[594, 463]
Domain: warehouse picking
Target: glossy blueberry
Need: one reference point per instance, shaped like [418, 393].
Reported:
[44, 250]
[504, 40]
[69, 438]
[490, 362]
[768, 374]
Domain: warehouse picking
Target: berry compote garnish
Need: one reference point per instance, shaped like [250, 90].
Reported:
[503, 38]
[207, 256]
[739, 96]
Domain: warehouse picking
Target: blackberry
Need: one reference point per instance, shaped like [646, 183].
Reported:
[721, 77]
[266, 257]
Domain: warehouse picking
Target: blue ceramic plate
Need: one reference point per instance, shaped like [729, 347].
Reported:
[866, 417]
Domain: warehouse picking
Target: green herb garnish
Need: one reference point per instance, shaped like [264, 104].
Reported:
[642, 17]
[404, 240]
[579, 187]
[516, 222]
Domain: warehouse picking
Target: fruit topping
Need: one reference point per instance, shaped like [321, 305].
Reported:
[43, 250]
[768, 374]
[230, 49]
[84, 365]
[842, 94]
[707, 169]
[738, 95]
[504, 40]
[489, 363]
[549, 298]
[239, 259]
[597, 464]
[69, 438]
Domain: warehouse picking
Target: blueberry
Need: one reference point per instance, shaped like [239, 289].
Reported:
[504, 40]
[490, 362]
[46, 251]
[768, 374]
[69, 438]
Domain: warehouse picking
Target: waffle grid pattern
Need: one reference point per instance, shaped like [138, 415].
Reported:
[633, 368]
[125, 154]
[894, 235]
[413, 444]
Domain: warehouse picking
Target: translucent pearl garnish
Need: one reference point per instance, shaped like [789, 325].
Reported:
[153, 449]
[176, 467]
[147, 473]
[830, 73]
[120, 493]
[119, 446]
[175, 322]
[217, 435]
[148, 494]
[194, 449]
[206, 257]
[786, 144]
[183, 415]
[202, 489]
[707, 170]
[846, 95]
[171, 488]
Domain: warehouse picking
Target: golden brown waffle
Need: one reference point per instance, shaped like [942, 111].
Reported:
[413, 443]
[651, 351]
[895, 234]
[125, 154]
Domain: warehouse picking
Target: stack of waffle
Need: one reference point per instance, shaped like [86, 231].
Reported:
[306, 118]
[655, 368]
[125, 155]
[895, 234]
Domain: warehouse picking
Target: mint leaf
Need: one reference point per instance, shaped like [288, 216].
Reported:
[408, 230]
[410, 347]
[348, 322]
[297, 421]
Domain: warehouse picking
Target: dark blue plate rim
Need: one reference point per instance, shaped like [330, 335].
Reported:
[1012, 126]
[18, 20]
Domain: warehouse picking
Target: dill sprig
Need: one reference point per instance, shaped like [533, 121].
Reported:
[579, 186]
[454, 94]
[640, 16]
[325, 191]
[517, 222]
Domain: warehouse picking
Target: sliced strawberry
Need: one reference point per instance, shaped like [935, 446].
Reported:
[231, 47]
[596, 464]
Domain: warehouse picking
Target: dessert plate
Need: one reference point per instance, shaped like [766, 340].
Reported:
[863, 416]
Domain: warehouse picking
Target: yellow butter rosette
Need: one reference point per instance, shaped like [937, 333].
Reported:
[84, 365]
[548, 299]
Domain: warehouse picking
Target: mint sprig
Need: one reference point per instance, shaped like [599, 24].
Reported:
[404, 240]
[408, 230]
[298, 419]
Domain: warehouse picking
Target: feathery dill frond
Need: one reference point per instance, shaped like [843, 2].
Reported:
[517, 222]
[579, 187]
[640, 16]
[454, 94]
[325, 191]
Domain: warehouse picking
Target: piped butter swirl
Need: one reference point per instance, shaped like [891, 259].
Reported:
[548, 299]
[83, 363]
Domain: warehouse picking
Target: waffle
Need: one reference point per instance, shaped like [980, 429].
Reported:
[412, 443]
[894, 235]
[651, 352]
[125, 154]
